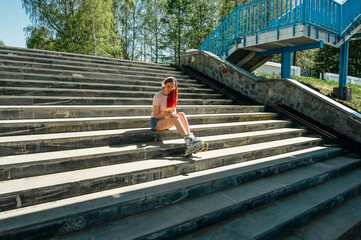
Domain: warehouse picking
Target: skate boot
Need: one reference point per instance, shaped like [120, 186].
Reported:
[194, 145]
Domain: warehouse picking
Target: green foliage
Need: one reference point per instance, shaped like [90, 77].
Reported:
[325, 88]
[304, 59]
[326, 60]
[147, 30]
[79, 26]
[354, 63]
[2, 44]
[39, 38]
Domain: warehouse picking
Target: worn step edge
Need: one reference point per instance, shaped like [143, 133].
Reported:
[40, 189]
[21, 166]
[65, 141]
[299, 210]
[150, 194]
[196, 190]
[81, 61]
[116, 132]
[79, 111]
[58, 100]
[62, 125]
[63, 62]
[70, 56]
[86, 67]
[125, 79]
[127, 118]
[85, 73]
[21, 83]
[342, 222]
[28, 91]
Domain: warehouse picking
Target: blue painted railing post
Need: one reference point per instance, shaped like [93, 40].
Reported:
[286, 65]
[342, 82]
[237, 22]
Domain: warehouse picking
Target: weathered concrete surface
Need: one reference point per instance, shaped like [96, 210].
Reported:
[278, 91]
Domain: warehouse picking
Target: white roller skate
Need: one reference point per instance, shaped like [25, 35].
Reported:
[194, 145]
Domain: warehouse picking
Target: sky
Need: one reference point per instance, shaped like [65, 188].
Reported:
[13, 20]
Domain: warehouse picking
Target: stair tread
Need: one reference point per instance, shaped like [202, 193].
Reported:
[10, 139]
[331, 225]
[247, 226]
[85, 73]
[51, 156]
[98, 91]
[127, 118]
[279, 212]
[17, 185]
[84, 65]
[4, 107]
[155, 88]
[78, 97]
[143, 79]
[10, 219]
[36, 52]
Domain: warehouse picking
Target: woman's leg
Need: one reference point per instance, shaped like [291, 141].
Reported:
[184, 120]
[171, 122]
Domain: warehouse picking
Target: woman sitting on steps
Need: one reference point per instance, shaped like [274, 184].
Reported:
[164, 116]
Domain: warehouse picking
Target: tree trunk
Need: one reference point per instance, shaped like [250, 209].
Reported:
[94, 38]
[133, 40]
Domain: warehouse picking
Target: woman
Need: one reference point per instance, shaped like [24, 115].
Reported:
[164, 116]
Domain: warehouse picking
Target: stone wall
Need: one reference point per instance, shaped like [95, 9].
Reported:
[278, 91]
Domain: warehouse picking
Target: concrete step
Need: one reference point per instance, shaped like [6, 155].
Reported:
[40, 189]
[27, 91]
[79, 62]
[62, 71]
[11, 51]
[97, 68]
[24, 144]
[341, 222]
[44, 126]
[53, 219]
[29, 165]
[21, 83]
[271, 220]
[61, 100]
[120, 79]
[49, 112]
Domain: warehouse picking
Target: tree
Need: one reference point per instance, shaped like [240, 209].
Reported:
[202, 22]
[326, 60]
[2, 44]
[154, 12]
[125, 17]
[354, 58]
[80, 26]
[39, 38]
[177, 20]
[96, 19]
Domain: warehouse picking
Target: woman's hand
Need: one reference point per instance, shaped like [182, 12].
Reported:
[167, 114]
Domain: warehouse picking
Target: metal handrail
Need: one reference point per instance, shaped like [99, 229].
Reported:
[268, 15]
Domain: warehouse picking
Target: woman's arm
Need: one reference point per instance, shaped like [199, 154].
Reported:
[158, 115]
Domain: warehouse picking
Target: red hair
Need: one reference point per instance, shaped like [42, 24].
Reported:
[172, 99]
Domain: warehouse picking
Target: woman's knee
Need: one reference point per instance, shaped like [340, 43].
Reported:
[181, 114]
[175, 119]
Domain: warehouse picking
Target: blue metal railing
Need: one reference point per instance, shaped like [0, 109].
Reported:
[266, 15]
[351, 11]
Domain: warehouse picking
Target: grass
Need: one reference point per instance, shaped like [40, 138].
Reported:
[326, 88]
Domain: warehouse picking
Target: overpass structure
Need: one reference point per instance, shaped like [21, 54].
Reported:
[252, 33]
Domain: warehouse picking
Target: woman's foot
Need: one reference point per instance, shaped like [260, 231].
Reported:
[194, 145]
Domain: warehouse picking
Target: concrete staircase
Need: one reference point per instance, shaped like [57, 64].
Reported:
[79, 161]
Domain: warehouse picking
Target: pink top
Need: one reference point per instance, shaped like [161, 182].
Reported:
[160, 100]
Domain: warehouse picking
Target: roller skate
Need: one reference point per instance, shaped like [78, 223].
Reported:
[194, 145]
